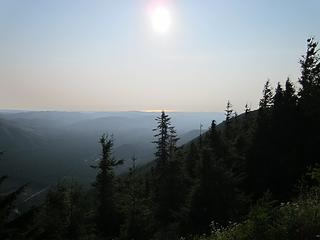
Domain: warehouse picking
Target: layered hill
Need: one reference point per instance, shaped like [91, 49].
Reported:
[43, 147]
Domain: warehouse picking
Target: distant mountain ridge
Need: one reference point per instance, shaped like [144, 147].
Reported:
[41, 147]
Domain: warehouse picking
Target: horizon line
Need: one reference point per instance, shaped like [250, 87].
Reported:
[92, 111]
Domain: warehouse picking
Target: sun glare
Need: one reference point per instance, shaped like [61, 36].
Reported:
[160, 19]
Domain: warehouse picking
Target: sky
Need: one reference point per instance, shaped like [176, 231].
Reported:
[106, 55]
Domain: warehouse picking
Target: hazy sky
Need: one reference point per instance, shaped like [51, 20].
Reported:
[105, 55]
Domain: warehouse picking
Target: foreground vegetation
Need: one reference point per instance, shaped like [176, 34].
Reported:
[271, 219]
[255, 176]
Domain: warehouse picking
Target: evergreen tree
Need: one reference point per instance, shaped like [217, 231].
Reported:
[278, 99]
[216, 144]
[163, 140]
[310, 73]
[167, 194]
[286, 166]
[215, 197]
[247, 119]
[137, 220]
[173, 139]
[309, 103]
[259, 166]
[228, 114]
[267, 98]
[106, 214]
[275, 142]
[290, 97]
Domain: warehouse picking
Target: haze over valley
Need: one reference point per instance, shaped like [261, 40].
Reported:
[43, 147]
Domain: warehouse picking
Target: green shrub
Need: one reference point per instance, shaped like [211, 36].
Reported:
[295, 220]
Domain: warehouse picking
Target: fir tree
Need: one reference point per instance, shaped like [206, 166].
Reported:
[310, 72]
[163, 140]
[106, 218]
[309, 103]
[267, 98]
[259, 166]
[137, 219]
[167, 176]
[173, 139]
[216, 142]
[290, 96]
[247, 121]
[283, 140]
[228, 114]
[278, 98]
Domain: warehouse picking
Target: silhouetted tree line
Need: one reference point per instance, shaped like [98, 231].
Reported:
[190, 189]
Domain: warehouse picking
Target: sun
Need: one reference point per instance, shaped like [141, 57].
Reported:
[160, 19]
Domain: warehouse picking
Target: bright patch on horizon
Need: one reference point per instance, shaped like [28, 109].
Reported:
[160, 19]
[158, 110]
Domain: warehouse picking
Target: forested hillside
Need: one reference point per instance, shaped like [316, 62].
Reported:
[43, 147]
[254, 176]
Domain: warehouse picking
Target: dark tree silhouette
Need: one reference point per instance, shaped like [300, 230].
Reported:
[309, 102]
[229, 115]
[162, 139]
[267, 97]
[106, 214]
[167, 179]
[135, 204]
